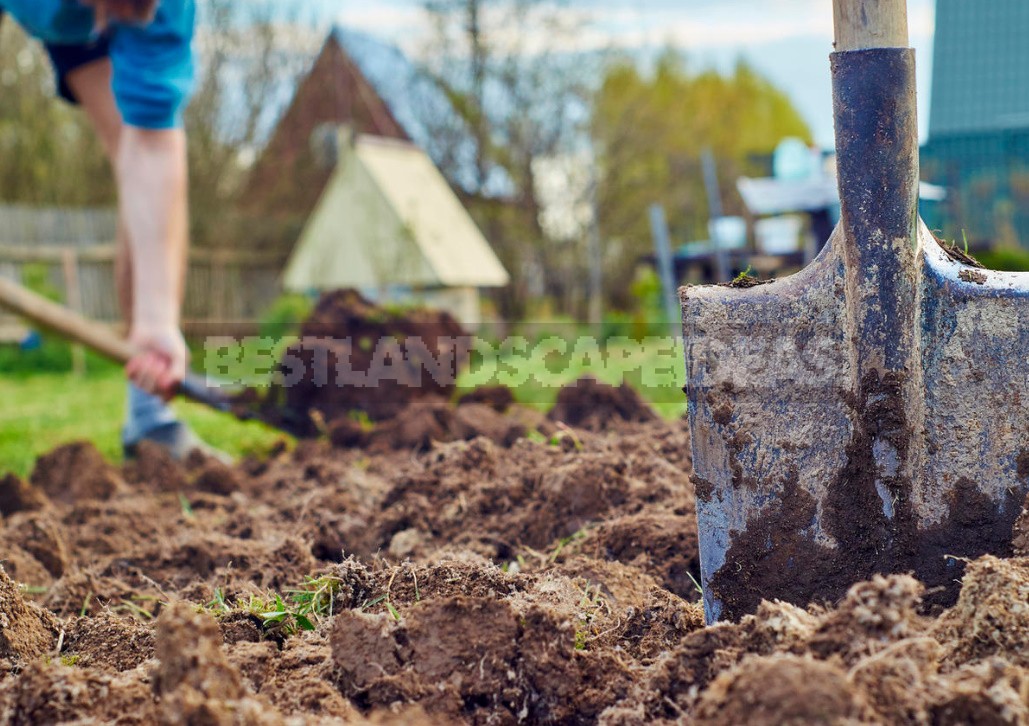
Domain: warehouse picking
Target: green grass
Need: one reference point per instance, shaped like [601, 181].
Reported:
[299, 609]
[44, 410]
[654, 367]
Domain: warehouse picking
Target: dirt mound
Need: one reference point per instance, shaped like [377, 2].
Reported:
[477, 580]
[783, 689]
[26, 631]
[52, 693]
[991, 617]
[154, 468]
[479, 659]
[499, 398]
[107, 642]
[18, 496]
[194, 680]
[424, 424]
[595, 406]
[76, 472]
[355, 356]
[40, 536]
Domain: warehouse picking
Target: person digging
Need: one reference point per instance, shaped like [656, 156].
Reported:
[129, 65]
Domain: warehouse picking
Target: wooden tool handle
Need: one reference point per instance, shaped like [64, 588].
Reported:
[65, 322]
[100, 338]
[863, 24]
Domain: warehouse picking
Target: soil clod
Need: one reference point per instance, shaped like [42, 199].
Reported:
[18, 496]
[595, 406]
[27, 631]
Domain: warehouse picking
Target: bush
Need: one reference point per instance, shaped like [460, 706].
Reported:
[284, 318]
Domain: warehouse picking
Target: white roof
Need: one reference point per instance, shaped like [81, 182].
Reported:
[388, 217]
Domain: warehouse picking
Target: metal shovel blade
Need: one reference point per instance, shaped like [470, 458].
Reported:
[869, 414]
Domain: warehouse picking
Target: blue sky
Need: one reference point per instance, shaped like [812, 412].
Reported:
[788, 40]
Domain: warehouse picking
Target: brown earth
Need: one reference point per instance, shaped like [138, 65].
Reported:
[356, 357]
[426, 563]
[541, 581]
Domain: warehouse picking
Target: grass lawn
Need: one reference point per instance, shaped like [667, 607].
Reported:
[43, 410]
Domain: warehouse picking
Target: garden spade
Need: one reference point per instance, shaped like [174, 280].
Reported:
[869, 414]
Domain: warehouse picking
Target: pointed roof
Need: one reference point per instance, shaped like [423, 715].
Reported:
[388, 217]
[288, 178]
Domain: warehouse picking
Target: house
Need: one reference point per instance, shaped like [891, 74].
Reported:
[288, 177]
[389, 224]
[369, 207]
[978, 143]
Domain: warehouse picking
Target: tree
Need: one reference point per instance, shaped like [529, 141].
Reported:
[650, 133]
[516, 96]
[50, 155]
[250, 56]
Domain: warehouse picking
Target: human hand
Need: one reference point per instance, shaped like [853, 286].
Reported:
[160, 365]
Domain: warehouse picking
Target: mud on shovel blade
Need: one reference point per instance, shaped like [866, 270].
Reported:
[869, 414]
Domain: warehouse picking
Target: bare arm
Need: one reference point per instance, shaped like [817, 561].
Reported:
[152, 181]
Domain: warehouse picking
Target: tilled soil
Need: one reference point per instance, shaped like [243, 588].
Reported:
[497, 578]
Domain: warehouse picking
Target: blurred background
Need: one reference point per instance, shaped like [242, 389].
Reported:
[565, 163]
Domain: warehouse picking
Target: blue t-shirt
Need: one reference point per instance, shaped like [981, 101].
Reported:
[153, 64]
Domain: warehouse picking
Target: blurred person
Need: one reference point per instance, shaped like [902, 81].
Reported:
[129, 64]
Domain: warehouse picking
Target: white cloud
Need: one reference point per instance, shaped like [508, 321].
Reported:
[389, 21]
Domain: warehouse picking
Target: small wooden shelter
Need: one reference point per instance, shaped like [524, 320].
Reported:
[388, 223]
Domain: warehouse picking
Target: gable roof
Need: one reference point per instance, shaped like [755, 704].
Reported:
[288, 177]
[388, 217]
[981, 67]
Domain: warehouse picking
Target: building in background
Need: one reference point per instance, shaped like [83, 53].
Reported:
[978, 143]
[389, 225]
[358, 200]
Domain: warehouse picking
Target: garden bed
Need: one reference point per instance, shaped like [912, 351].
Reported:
[542, 578]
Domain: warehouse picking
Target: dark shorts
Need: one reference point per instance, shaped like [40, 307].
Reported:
[67, 58]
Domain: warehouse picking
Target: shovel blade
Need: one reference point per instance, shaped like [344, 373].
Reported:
[792, 498]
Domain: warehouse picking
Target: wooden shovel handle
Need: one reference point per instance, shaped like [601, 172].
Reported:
[103, 340]
[863, 24]
[64, 322]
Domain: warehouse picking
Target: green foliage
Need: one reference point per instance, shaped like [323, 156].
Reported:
[284, 615]
[744, 276]
[651, 132]
[44, 410]
[1009, 259]
[284, 317]
[50, 154]
[54, 354]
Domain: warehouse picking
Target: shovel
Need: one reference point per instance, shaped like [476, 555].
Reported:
[101, 339]
[869, 414]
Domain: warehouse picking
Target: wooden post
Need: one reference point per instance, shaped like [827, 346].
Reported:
[596, 261]
[73, 299]
[219, 287]
[714, 201]
[863, 24]
[666, 267]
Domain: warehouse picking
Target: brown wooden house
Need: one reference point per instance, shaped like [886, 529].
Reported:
[290, 175]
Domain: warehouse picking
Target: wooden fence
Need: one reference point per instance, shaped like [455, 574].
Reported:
[226, 290]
